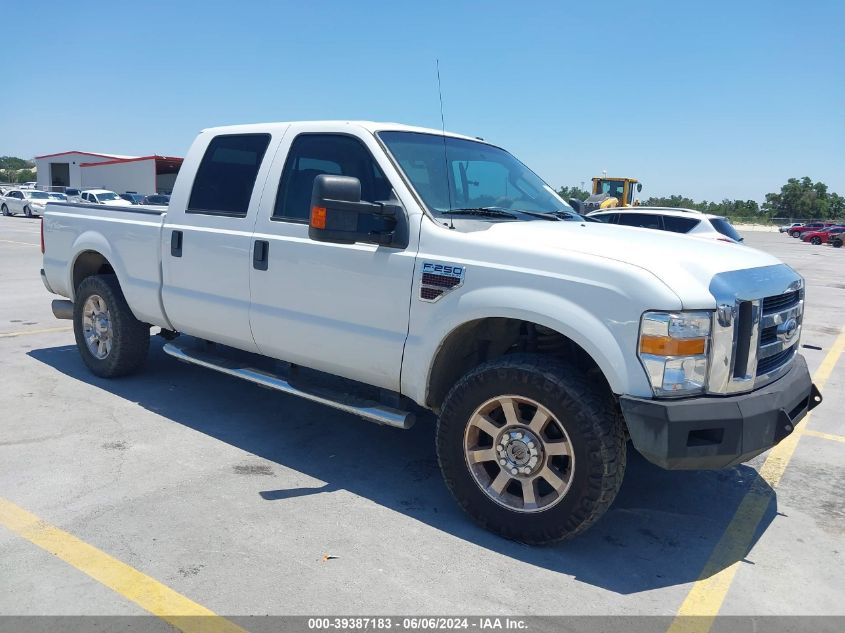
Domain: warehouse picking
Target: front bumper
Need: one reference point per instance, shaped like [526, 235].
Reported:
[717, 432]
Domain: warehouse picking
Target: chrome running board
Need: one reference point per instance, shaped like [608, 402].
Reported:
[365, 408]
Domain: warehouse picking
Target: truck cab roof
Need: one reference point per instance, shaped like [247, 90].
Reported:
[371, 126]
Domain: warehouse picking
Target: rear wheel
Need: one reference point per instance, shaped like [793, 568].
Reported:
[837, 243]
[111, 341]
[816, 241]
[530, 448]
[5, 210]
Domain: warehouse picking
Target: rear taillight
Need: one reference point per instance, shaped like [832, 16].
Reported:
[42, 235]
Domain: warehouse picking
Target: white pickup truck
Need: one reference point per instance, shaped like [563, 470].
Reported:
[381, 268]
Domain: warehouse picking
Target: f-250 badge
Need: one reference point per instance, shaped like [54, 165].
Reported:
[439, 279]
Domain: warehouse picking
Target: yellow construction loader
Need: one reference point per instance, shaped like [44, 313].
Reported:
[612, 192]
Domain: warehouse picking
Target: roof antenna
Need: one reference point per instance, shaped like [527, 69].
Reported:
[445, 157]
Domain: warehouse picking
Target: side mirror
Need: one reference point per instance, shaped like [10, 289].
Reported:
[338, 214]
[578, 205]
[639, 187]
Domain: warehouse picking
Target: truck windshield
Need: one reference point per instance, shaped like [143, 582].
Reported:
[107, 195]
[469, 176]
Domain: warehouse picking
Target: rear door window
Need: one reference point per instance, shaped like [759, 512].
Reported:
[679, 225]
[643, 220]
[226, 175]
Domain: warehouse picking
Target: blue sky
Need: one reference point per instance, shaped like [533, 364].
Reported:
[709, 99]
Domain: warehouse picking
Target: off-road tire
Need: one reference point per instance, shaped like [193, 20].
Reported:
[130, 337]
[587, 413]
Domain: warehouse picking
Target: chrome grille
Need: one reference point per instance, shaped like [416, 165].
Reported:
[779, 302]
[771, 363]
[756, 327]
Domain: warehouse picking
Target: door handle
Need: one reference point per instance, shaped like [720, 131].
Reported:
[261, 255]
[176, 243]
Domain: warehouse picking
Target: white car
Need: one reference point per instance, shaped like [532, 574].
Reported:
[787, 228]
[689, 221]
[30, 202]
[104, 196]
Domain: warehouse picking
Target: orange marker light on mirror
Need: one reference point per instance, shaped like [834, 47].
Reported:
[318, 217]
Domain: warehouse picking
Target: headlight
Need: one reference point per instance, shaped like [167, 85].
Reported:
[673, 349]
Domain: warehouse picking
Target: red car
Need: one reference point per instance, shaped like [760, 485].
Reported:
[798, 231]
[822, 236]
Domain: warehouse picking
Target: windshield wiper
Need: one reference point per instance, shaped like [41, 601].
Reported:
[564, 216]
[491, 212]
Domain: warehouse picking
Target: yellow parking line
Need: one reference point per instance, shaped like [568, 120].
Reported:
[826, 436]
[20, 243]
[704, 600]
[146, 592]
[65, 328]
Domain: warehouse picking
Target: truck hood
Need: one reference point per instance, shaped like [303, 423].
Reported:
[685, 264]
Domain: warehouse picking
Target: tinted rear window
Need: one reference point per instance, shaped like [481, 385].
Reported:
[679, 225]
[644, 220]
[725, 228]
[226, 175]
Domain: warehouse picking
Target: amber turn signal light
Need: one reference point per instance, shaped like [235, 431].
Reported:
[318, 217]
[668, 346]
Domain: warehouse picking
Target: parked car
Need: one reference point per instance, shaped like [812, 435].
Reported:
[104, 196]
[29, 185]
[788, 227]
[73, 195]
[542, 345]
[30, 202]
[157, 199]
[133, 197]
[688, 221]
[823, 236]
[798, 231]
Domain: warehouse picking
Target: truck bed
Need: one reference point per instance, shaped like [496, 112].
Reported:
[128, 237]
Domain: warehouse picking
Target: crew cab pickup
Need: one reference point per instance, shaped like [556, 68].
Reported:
[386, 270]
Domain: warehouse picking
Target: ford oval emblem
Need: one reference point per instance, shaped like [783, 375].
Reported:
[787, 329]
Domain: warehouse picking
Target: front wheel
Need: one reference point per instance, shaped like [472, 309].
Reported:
[816, 241]
[795, 233]
[111, 341]
[27, 212]
[530, 448]
[837, 243]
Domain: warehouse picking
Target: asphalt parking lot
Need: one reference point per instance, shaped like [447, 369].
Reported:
[249, 502]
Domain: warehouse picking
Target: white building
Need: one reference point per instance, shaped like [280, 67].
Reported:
[90, 170]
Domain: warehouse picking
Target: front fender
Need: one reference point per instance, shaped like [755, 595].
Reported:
[609, 339]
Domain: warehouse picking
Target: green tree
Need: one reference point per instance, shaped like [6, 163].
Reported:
[26, 175]
[803, 198]
[573, 192]
[14, 163]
